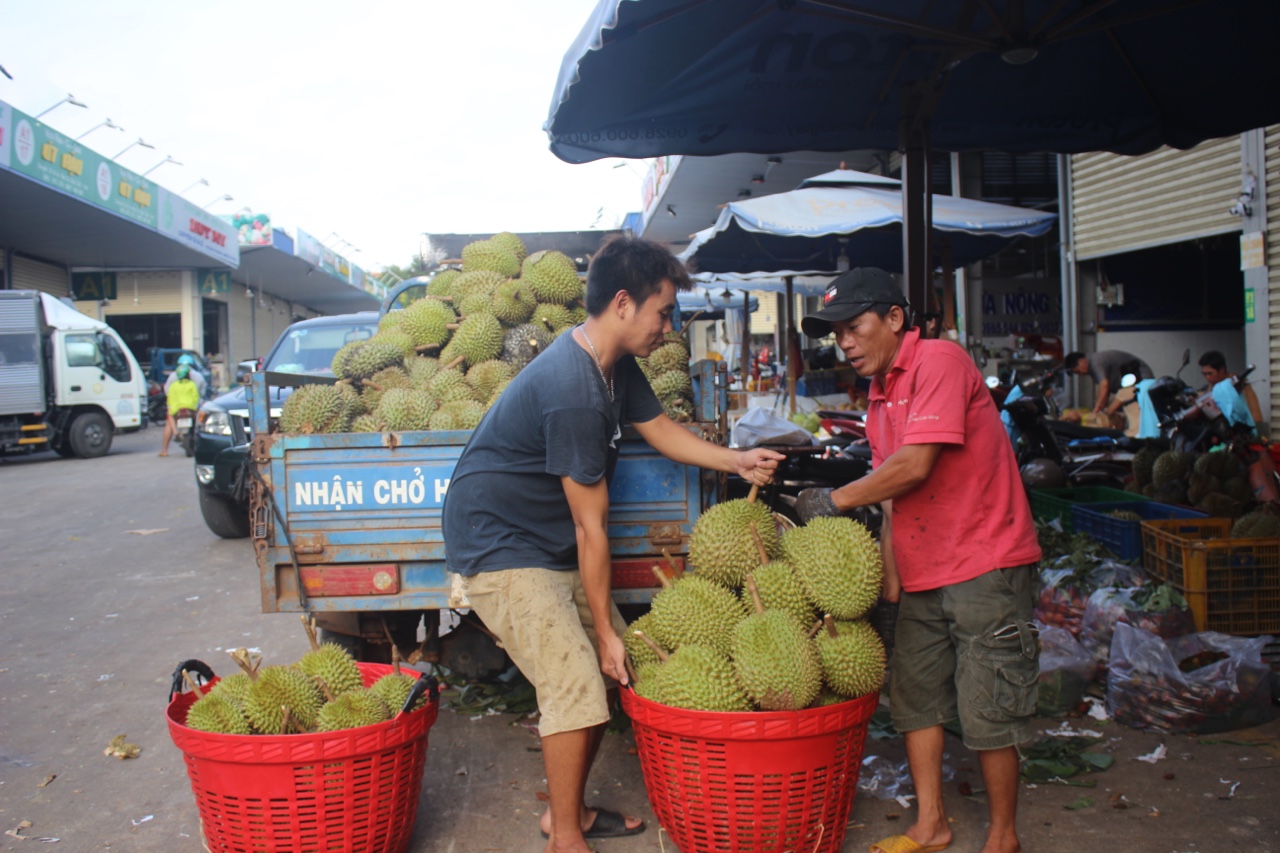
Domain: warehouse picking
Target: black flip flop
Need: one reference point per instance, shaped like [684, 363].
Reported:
[609, 824]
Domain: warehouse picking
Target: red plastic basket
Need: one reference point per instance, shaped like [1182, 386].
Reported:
[354, 789]
[752, 782]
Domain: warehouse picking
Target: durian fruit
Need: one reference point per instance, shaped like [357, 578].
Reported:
[679, 410]
[478, 338]
[1208, 463]
[521, 344]
[374, 356]
[577, 315]
[394, 688]
[397, 337]
[641, 652]
[673, 383]
[276, 688]
[1172, 492]
[368, 423]
[721, 546]
[352, 404]
[342, 358]
[696, 611]
[780, 589]
[479, 301]
[490, 255]
[513, 302]
[1200, 485]
[852, 655]
[476, 282]
[403, 409]
[380, 382]
[360, 707]
[487, 375]
[838, 563]
[233, 687]
[553, 276]
[216, 713]
[421, 369]
[497, 392]
[697, 678]
[442, 283]
[313, 409]
[1170, 466]
[1218, 505]
[670, 356]
[457, 414]
[1259, 524]
[555, 318]
[450, 384]
[1238, 488]
[427, 322]
[391, 321]
[776, 663]
[333, 666]
[512, 244]
[645, 678]
[1143, 461]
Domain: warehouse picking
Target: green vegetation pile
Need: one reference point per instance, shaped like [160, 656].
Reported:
[746, 631]
[323, 691]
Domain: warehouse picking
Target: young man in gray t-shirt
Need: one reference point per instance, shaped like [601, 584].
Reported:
[1107, 368]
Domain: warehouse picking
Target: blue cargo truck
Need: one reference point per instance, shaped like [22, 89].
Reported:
[347, 526]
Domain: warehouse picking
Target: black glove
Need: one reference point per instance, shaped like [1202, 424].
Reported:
[814, 503]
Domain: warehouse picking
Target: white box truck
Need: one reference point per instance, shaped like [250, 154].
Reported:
[67, 381]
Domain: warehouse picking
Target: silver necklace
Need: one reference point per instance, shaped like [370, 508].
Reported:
[608, 381]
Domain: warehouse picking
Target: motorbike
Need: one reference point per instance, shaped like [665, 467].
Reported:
[185, 422]
[157, 403]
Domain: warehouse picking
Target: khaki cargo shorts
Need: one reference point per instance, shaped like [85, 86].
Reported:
[541, 618]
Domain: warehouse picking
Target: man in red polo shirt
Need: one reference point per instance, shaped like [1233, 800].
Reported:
[959, 549]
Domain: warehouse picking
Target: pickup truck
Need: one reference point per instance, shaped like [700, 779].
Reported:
[347, 526]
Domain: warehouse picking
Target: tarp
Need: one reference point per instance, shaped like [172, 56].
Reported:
[840, 214]
[711, 300]
[771, 282]
[63, 317]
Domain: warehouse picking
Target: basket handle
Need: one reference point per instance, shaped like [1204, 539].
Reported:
[424, 683]
[197, 667]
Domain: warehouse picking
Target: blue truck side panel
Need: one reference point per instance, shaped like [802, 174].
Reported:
[360, 499]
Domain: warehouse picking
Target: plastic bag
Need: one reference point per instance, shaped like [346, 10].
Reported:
[761, 426]
[1202, 683]
[1066, 670]
[1158, 608]
[1069, 580]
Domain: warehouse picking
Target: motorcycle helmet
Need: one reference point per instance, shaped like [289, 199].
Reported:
[1043, 474]
[182, 371]
[186, 359]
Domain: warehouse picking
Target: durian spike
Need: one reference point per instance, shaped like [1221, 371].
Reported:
[657, 649]
[755, 594]
[831, 625]
[426, 347]
[242, 658]
[324, 688]
[751, 495]
[309, 625]
[459, 360]
[764, 555]
[191, 684]
[662, 577]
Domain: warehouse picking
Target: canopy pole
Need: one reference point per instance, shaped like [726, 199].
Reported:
[746, 343]
[793, 347]
[913, 142]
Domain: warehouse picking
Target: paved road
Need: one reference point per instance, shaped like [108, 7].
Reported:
[110, 578]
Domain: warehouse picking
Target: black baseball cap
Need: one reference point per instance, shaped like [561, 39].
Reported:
[849, 295]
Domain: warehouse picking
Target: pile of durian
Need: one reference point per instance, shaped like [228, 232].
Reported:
[1214, 483]
[442, 361]
[667, 369]
[765, 622]
[322, 692]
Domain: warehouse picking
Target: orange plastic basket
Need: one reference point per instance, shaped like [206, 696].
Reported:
[751, 782]
[354, 789]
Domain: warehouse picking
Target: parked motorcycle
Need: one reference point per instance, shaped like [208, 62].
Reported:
[157, 403]
[185, 422]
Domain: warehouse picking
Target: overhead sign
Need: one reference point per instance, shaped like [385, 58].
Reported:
[317, 254]
[214, 281]
[197, 228]
[252, 230]
[93, 285]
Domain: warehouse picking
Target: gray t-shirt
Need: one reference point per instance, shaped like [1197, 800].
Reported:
[1113, 364]
[506, 507]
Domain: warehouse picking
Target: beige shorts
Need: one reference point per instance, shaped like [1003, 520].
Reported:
[542, 619]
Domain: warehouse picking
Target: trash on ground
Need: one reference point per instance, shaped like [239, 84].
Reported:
[1157, 754]
[1053, 760]
[887, 780]
[118, 748]
[17, 831]
[147, 531]
[47, 780]
[140, 821]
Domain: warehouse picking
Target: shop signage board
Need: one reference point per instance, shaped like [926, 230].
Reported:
[32, 148]
[214, 281]
[252, 230]
[93, 285]
[197, 228]
[317, 254]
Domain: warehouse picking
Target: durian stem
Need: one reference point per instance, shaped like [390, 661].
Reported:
[395, 659]
[453, 327]
[439, 298]
[675, 567]
[374, 385]
[817, 626]
[459, 360]
[324, 688]
[831, 625]
[662, 577]
[290, 721]
[191, 684]
[751, 495]
[309, 624]
[426, 347]
[243, 660]
[688, 324]
[657, 649]
[631, 670]
[755, 594]
[391, 640]
[764, 555]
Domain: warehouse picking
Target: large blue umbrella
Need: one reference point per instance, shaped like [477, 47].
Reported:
[841, 216]
[706, 77]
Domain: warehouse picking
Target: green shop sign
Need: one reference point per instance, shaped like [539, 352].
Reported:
[93, 285]
[214, 281]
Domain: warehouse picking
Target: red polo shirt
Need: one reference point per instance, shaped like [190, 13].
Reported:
[971, 515]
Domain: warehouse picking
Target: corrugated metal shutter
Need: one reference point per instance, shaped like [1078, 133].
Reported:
[30, 274]
[765, 318]
[144, 293]
[239, 322]
[1272, 154]
[1125, 203]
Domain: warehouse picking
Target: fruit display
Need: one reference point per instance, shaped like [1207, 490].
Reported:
[321, 692]
[742, 632]
[1157, 608]
[442, 361]
[1215, 483]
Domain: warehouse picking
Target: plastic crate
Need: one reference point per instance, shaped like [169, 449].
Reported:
[1048, 504]
[352, 789]
[1231, 585]
[1124, 537]
[752, 781]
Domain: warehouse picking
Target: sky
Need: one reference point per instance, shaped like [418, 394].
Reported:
[363, 123]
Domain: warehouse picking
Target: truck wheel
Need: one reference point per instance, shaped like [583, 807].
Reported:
[90, 435]
[472, 654]
[224, 517]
